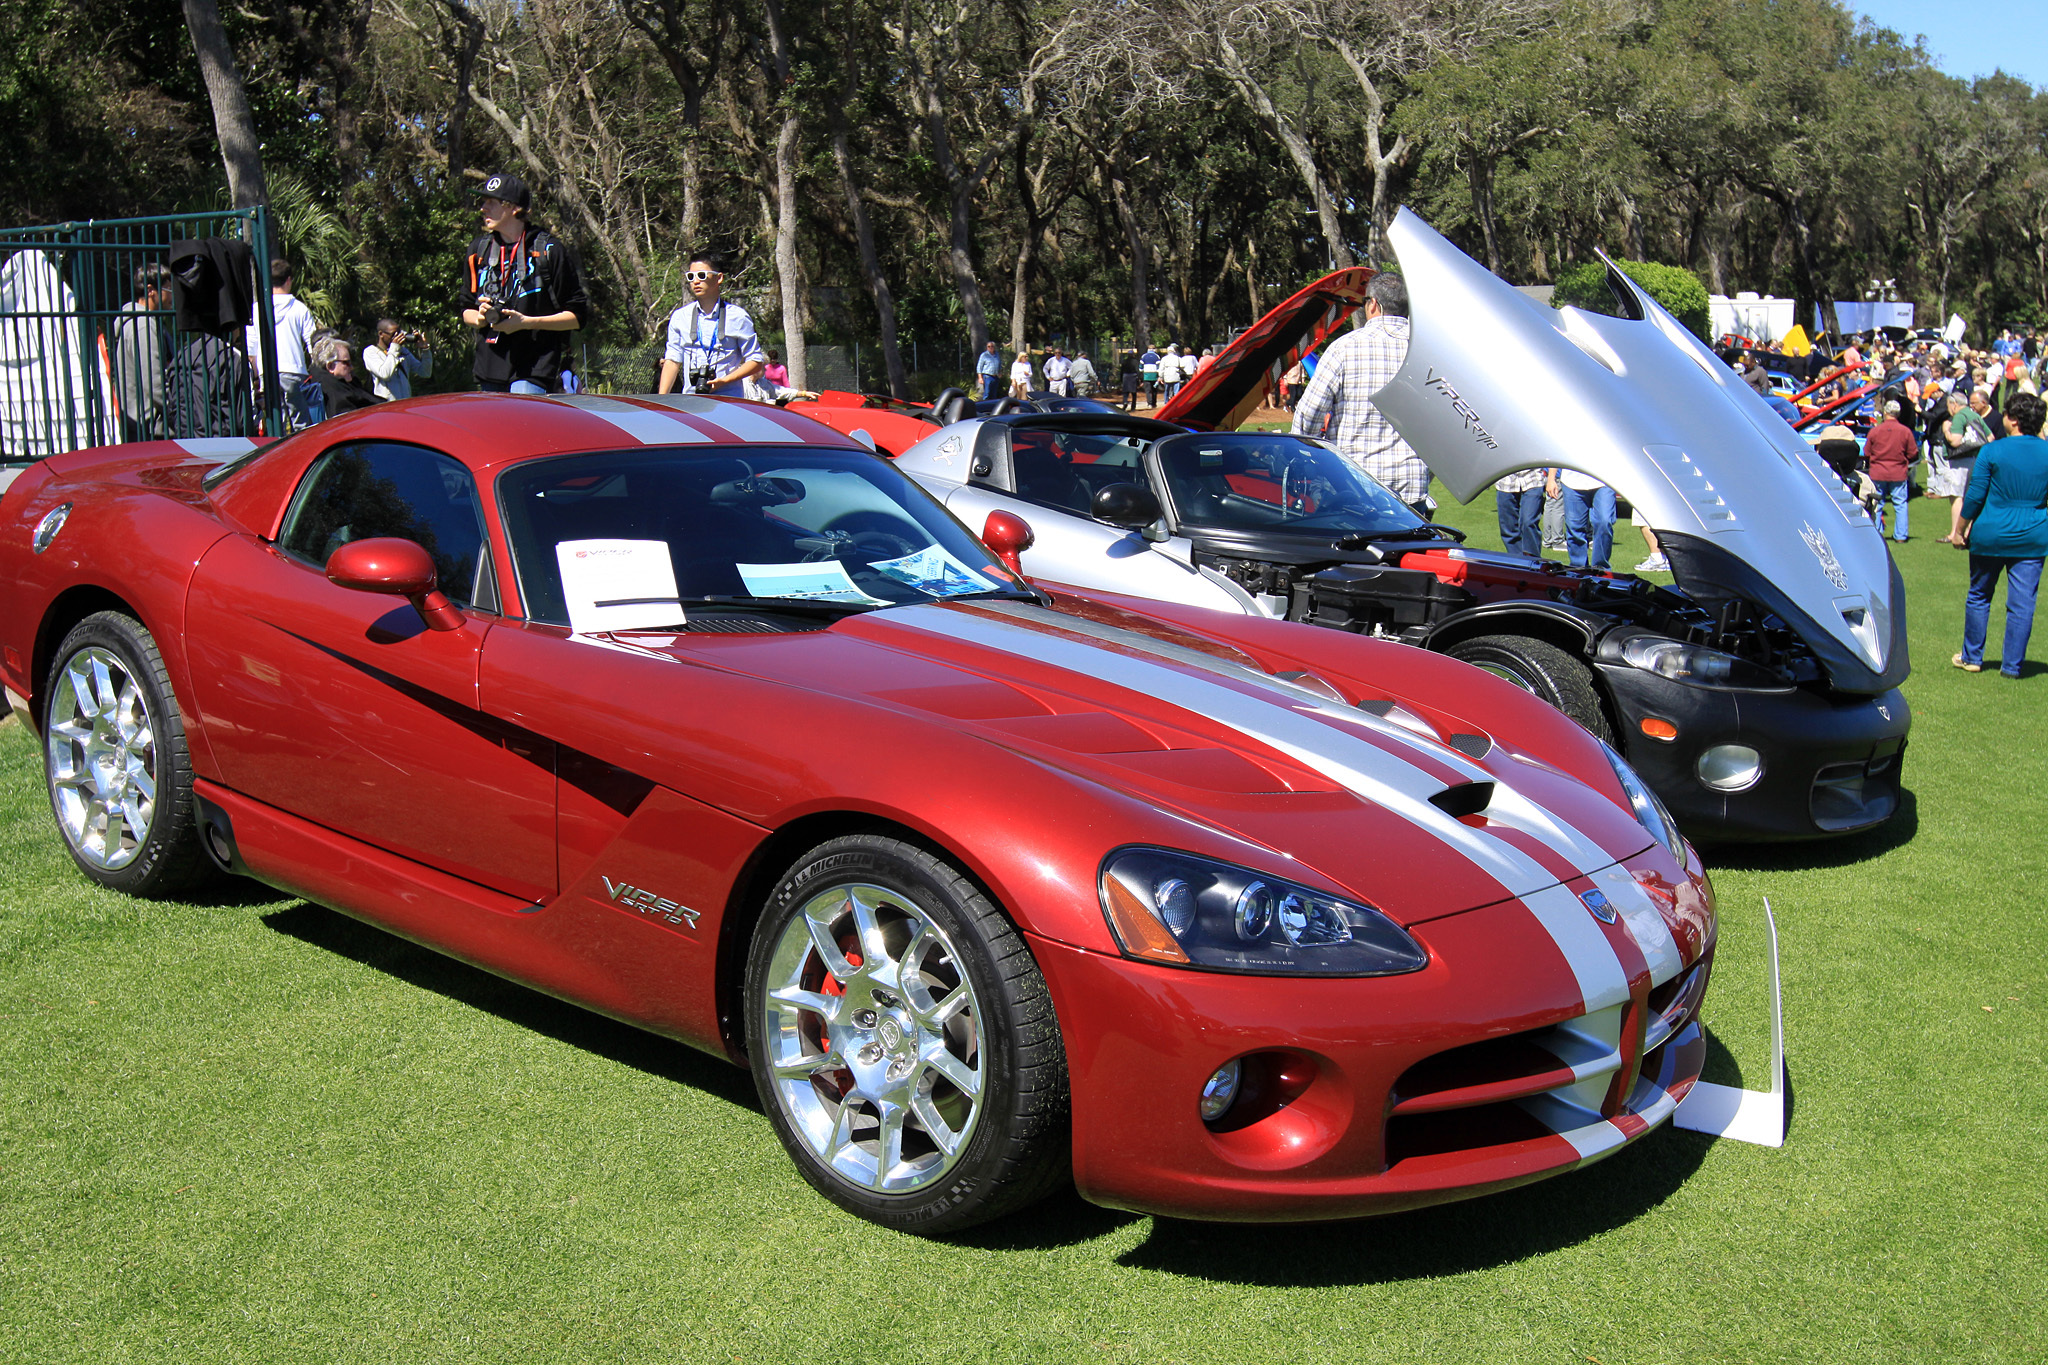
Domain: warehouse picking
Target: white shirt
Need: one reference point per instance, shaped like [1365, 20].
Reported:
[293, 324]
[694, 340]
[1020, 371]
[391, 371]
[1169, 368]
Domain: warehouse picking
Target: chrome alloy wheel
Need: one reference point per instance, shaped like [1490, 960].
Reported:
[102, 756]
[872, 1036]
[1509, 675]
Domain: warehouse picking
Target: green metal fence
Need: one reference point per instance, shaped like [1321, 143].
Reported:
[91, 349]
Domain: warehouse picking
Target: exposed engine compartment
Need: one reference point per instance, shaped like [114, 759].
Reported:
[1407, 593]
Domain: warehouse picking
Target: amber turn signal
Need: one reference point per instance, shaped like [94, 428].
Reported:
[1659, 729]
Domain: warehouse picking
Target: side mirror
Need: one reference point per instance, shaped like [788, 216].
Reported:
[1129, 505]
[1009, 535]
[400, 568]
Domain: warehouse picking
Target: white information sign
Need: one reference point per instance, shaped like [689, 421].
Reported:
[618, 584]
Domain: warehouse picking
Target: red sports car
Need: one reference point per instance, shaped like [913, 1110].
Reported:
[698, 714]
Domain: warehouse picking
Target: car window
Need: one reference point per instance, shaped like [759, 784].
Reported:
[1273, 481]
[372, 488]
[1066, 469]
[616, 540]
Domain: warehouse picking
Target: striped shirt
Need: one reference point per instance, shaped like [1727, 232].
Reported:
[1357, 366]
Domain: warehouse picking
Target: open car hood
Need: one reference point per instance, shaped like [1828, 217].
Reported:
[1225, 393]
[1495, 382]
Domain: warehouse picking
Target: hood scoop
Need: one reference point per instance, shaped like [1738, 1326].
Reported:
[1467, 798]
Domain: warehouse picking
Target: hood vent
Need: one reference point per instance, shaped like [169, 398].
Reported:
[1467, 798]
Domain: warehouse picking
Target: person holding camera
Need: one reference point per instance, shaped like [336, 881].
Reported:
[525, 295]
[392, 364]
[711, 345]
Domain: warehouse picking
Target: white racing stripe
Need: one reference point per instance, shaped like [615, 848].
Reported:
[648, 428]
[219, 448]
[1356, 763]
[1509, 805]
[740, 421]
[1645, 923]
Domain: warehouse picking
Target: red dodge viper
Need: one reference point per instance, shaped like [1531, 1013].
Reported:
[700, 715]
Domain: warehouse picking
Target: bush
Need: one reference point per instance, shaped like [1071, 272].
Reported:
[1675, 287]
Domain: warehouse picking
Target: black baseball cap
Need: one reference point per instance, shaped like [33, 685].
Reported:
[507, 187]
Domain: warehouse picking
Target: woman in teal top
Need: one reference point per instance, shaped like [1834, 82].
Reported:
[2005, 528]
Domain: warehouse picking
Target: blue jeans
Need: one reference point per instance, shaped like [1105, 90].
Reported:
[1897, 493]
[1589, 524]
[1521, 521]
[2022, 583]
[988, 386]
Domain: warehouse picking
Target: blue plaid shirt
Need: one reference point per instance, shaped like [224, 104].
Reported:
[1354, 368]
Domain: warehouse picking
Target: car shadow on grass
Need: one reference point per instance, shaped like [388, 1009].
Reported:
[1478, 1234]
[428, 970]
[1812, 854]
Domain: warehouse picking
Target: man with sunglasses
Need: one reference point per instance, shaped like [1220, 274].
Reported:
[711, 346]
[525, 294]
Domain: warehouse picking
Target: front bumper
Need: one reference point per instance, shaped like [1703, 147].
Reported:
[1366, 1096]
[1831, 764]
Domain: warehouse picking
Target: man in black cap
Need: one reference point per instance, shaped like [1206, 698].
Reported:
[525, 294]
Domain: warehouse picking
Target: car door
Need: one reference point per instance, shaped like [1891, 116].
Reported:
[342, 707]
[1050, 479]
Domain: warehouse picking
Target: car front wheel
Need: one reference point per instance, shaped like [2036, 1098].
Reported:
[1541, 668]
[903, 1040]
[119, 773]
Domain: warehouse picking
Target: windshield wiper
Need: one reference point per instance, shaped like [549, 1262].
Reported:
[809, 606]
[1427, 531]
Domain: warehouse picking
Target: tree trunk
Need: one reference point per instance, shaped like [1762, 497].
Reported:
[1141, 284]
[1298, 151]
[233, 124]
[787, 269]
[871, 267]
[1479, 175]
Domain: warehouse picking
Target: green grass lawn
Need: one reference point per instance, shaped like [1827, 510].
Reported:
[253, 1130]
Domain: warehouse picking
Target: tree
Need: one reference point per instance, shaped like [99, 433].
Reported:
[240, 149]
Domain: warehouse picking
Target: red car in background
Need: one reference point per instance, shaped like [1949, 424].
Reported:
[697, 714]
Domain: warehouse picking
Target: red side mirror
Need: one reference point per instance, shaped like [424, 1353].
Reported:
[1009, 535]
[401, 568]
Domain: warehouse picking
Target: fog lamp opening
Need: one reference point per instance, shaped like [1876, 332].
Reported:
[1219, 1092]
[1731, 767]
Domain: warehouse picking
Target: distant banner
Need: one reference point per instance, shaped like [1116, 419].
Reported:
[1863, 317]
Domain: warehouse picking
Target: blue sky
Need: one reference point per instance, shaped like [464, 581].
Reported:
[1972, 40]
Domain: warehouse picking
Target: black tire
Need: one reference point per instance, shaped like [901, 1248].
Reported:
[115, 762]
[1012, 1146]
[1540, 667]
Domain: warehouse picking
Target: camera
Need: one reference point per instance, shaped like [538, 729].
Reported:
[489, 307]
[702, 378]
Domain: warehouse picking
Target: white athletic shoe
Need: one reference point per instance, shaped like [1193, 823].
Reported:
[1654, 564]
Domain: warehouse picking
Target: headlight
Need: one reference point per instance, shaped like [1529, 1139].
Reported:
[1698, 665]
[1649, 811]
[1197, 912]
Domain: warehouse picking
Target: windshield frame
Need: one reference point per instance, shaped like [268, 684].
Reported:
[917, 506]
[1157, 455]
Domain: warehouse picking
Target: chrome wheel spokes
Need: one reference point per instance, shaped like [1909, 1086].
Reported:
[102, 756]
[873, 1036]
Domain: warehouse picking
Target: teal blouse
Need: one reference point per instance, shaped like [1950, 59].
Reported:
[2007, 500]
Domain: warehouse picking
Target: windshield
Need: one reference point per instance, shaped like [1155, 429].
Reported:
[627, 540]
[1271, 481]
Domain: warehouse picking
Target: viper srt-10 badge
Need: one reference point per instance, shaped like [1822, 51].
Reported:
[658, 908]
[1597, 902]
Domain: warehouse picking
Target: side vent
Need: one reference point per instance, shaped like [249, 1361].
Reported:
[1472, 746]
[1467, 798]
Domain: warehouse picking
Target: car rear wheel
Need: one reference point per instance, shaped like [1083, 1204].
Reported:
[119, 773]
[903, 1040]
[1541, 668]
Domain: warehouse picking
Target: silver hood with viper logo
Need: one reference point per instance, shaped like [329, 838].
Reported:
[1496, 382]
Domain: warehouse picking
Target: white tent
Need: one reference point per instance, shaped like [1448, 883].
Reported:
[45, 402]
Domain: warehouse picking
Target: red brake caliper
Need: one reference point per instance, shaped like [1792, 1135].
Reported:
[831, 986]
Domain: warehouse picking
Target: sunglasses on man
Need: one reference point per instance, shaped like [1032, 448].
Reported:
[695, 275]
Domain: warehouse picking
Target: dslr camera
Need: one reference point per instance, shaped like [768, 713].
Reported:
[490, 307]
[702, 378]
